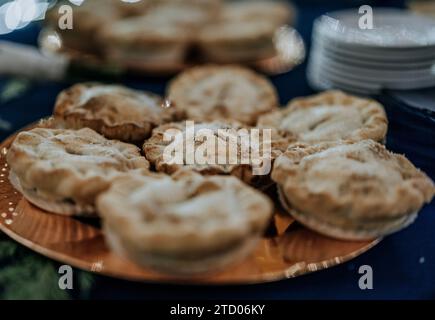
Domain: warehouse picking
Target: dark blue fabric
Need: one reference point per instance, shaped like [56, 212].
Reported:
[403, 264]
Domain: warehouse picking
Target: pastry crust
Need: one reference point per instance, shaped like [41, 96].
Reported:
[329, 116]
[114, 111]
[64, 170]
[156, 147]
[183, 14]
[222, 92]
[360, 189]
[142, 41]
[185, 223]
[277, 12]
[245, 31]
[237, 41]
[160, 38]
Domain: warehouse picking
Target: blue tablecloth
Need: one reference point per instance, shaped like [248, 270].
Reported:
[403, 264]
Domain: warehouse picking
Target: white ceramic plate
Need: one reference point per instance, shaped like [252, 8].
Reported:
[379, 54]
[376, 74]
[393, 28]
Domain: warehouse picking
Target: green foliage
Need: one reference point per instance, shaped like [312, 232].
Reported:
[14, 88]
[27, 275]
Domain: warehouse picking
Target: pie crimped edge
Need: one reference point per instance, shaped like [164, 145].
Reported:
[152, 234]
[154, 147]
[187, 81]
[350, 214]
[375, 124]
[71, 112]
[63, 185]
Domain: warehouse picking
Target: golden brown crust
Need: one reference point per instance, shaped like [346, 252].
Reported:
[277, 12]
[222, 92]
[329, 116]
[244, 31]
[154, 150]
[139, 32]
[237, 41]
[186, 215]
[347, 184]
[70, 166]
[113, 111]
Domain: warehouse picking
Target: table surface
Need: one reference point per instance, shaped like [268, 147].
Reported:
[403, 264]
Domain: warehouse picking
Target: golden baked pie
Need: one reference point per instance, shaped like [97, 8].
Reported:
[237, 41]
[277, 12]
[160, 38]
[139, 41]
[222, 92]
[114, 111]
[185, 223]
[329, 116]
[62, 171]
[205, 148]
[351, 190]
[245, 31]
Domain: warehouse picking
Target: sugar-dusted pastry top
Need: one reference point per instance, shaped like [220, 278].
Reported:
[212, 92]
[330, 116]
[69, 164]
[114, 105]
[114, 111]
[226, 159]
[360, 180]
[183, 213]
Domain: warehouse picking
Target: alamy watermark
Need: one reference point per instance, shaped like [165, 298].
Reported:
[203, 145]
[66, 279]
[365, 282]
[365, 21]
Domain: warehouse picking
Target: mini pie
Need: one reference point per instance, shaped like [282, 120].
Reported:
[143, 41]
[224, 161]
[244, 31]
[349, 190]
[225, 92]
[183, 224]
[237, 41]
[62, 171]
[114, 111]
[329, 116]
[159, 38]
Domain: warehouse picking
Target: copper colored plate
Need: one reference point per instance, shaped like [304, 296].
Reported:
[289, 250]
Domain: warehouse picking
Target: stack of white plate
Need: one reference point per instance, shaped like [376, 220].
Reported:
[398, 53]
